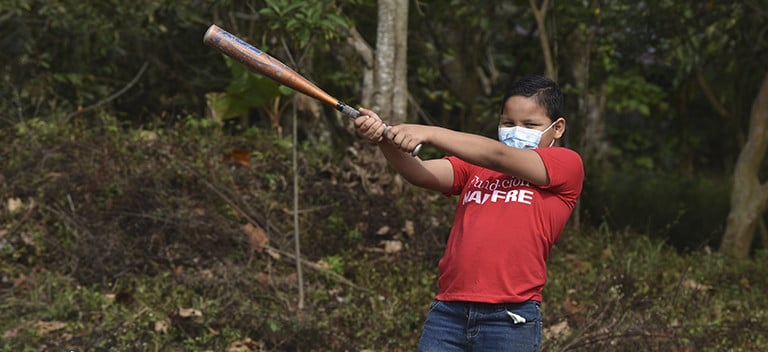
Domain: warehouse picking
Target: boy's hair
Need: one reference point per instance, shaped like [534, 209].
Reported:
[543, 90]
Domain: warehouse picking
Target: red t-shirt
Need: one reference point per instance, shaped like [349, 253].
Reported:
[504, 229]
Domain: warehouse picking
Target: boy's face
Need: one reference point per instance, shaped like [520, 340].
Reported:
[525, 112]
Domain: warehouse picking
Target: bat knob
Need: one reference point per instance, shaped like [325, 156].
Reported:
[416, 150]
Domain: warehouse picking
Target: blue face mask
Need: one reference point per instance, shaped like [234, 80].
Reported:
[521, 137]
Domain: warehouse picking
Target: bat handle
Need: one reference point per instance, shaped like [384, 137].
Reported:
[347, 110]
[354, 113]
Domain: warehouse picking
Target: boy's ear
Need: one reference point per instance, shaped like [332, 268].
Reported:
[559, 127]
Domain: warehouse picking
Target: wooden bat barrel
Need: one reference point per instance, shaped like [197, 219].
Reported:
[263, 63]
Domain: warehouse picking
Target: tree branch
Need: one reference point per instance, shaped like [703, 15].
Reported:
[540, 14]
[716, 104]
[113, 96]
[364, 50]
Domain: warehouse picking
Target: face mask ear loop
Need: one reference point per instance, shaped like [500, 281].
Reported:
[547, 129]
[550, 126]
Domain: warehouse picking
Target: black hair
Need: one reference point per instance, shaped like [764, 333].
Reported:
[543, 90]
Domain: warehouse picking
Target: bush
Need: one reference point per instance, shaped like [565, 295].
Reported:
[688, 212]
[623, 291]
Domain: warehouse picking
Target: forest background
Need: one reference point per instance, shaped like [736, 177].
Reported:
[156, 196]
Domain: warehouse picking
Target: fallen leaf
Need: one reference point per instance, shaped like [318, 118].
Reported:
[110, 298]
[257, 238]
[383, 230]
[322, 264]
[10, 333]
[693, 285]
[570, 306]
[392, 246]
[409, 229]
[147, 136]
[52, 176]
[607, 253]
[46, 327]
[744, 281]
[272, 253]
[262, 277]
[162, 326]
[190, 313]
[28, 239]
[682, 349]
[14, 204]
[22, 282]
[558, 330]
[240, 157]
[207, 274]
[244, 345]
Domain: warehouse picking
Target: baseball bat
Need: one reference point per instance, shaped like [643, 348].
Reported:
[264, 64]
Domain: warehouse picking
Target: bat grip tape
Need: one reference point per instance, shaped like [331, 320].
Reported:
[347, 110]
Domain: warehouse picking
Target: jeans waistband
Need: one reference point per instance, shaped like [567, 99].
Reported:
[492, 307]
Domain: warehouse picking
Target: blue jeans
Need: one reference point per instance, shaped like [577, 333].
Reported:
[468, 326]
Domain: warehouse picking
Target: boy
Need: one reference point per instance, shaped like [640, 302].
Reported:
[515, 197]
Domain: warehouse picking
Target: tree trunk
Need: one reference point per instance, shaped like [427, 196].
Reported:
[390, 96]
[400, 80]
[384, 90]
[591, 140]
[749, 197]
[589, 125]
[540, 14]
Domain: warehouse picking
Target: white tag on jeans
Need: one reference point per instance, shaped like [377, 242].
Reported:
[516, 318]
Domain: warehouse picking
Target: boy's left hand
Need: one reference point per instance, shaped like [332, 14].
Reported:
[370, 126]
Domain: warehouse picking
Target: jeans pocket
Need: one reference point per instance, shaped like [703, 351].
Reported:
[528, 312]
[433, 305]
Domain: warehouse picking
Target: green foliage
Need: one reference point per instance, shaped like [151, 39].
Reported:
[632, 292]
[115, 228]
[132, 241]
[450, 46]
[632, 94]
[98, 47]
[246, 91]
[303, 20]
[335, 263]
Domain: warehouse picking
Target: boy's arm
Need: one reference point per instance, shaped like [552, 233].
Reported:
[474, 149]
[435, 174]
